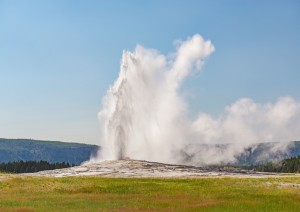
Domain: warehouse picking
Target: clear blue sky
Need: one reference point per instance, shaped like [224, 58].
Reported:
[58, 57]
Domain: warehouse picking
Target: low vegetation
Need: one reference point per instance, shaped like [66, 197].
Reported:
[115, 194]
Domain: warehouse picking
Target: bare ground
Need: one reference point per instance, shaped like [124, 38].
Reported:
[146, 169]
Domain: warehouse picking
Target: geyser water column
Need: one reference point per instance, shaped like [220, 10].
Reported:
[143, 114]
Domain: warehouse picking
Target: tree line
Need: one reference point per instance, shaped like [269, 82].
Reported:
[290, 165]
[31, 166]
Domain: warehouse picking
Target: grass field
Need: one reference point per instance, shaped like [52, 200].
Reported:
[115, 194]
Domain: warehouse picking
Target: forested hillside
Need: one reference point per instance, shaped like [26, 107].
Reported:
[50, 151]
[290, 165]
[263, 153]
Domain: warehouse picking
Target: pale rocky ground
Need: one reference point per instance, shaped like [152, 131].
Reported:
[146, 169]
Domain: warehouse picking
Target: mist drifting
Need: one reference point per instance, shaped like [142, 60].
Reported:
[144, 113]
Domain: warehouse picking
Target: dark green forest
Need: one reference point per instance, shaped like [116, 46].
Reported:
[290, 165]
[31, 166]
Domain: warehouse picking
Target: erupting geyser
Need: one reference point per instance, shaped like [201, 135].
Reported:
[144, 113]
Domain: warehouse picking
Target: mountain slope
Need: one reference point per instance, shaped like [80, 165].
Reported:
[268, 152]
[51, 151]
[195, 154]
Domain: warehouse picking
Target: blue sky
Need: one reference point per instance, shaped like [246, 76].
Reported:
[57, 58]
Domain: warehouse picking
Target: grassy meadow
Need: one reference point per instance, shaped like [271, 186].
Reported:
[114, 194]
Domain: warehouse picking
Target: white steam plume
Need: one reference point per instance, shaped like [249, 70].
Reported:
[245, 123]
[144, 114]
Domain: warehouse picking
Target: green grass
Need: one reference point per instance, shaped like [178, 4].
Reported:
[115, 194]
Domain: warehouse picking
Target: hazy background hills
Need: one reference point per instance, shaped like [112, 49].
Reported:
[51, 151]
[257, 153]
[76, 153]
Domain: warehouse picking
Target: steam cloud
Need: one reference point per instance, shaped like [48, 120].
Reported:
[144, 113]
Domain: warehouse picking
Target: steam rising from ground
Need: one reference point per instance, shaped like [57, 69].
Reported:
[144, 113]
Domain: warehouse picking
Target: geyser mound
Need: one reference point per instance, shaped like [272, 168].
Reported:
[140, 169]
[144, 114]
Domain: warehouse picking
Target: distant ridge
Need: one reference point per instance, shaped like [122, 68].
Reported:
[51, 151]
[256, 153]
[76, 153]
